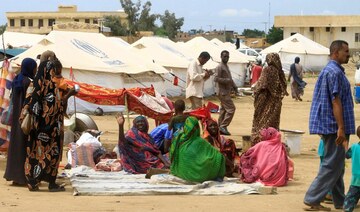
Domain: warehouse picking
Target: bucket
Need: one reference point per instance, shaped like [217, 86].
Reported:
[357, 94]
[293, 140]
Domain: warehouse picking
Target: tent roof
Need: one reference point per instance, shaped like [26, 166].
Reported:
[13, 52]
[163, 51]
[19, 40]
[200, 44]
[92, 52]
[297, 44]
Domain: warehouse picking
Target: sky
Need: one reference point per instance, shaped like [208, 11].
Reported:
[208, 15]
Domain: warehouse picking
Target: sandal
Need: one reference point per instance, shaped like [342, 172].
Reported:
[56, 188]
[316, 208]
[33, 188]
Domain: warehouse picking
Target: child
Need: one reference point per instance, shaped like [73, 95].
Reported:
[176, 122]
[353, 195]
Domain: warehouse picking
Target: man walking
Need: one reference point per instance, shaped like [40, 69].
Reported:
[225, 86]
[195, 79]
[332, 117]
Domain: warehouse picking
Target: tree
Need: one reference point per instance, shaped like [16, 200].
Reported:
[275, 35]
[147, 21]
[171, 24]
[132, 11]
[115, 25]
[253, 33]
[2, 28]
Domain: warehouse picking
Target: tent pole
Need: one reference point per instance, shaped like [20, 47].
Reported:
[127, 111]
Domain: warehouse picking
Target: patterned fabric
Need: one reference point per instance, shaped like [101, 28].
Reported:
[225, 146]
[269, 92]
[138, 152]
[44, 146]
[267, 161]
[352, 198]
[354, 154]
[332, 82]
[159, 134]
[140, 100]
[193, 158]
[6, 78]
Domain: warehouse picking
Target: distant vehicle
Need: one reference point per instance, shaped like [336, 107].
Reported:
[249, 52]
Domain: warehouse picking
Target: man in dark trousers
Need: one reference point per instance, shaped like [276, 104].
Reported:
[225, 85]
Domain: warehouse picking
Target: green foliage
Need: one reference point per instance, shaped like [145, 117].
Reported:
[171, 24]
[253, 33]
[132, 11]
[115, 25]
[275, 35]
[2, 28]
[147, 20]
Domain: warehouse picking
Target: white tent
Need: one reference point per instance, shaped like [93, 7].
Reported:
[19, 40]
[313, 56]
[176, 60]
[237, 62]
[95, 59]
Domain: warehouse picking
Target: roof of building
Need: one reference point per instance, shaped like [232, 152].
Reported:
[317, 21]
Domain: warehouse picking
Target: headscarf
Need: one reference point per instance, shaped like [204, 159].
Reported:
[269, 134]
[27, 70]
[191, 129]
[274, 62]
[141, 118]
[47, 55]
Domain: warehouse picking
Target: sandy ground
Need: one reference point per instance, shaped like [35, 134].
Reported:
[294, 115]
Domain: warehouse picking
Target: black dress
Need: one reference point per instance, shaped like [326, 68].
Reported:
[17, 146]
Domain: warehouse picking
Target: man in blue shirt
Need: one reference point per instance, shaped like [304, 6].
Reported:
[332, 117]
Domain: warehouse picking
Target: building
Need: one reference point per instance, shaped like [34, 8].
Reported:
[323, 29]
[66, 18]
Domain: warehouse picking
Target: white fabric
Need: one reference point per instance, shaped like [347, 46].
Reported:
[88, 139]
[19, 40]
[195, 80]
[313, 56]
[87, 181]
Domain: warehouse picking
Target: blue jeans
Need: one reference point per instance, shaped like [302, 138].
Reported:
[330, 175]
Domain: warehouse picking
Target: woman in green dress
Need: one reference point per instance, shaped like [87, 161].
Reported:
[193, 158]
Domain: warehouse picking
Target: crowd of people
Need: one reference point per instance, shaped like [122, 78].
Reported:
[197, 149]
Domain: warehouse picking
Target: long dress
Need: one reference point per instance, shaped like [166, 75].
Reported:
[44, 146]
[17, 148]
[296, 82]
[193, 158]
[269, 92]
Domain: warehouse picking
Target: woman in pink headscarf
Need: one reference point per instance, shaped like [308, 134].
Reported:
[266, 162]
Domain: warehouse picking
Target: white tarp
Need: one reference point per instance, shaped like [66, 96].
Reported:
[19, 40]
[237, 61]
[313, 56]
[85, 181]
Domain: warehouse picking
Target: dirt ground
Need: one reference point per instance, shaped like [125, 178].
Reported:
[295, 116]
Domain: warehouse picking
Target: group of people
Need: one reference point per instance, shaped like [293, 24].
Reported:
[40, 91]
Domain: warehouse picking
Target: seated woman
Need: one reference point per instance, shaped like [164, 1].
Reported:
[225, 146]
[266, 162]
[137, 150]
[193, 158]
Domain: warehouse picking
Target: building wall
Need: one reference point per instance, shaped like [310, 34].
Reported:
[325, 28]
[65, 14]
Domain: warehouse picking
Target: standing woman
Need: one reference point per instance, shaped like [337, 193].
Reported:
[296, 80]
[17, 151]
[269, 92]
[44, 146]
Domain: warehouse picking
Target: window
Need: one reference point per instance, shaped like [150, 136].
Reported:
[51, 22]
[87, 21]
[41, 23]
[76, 20]
[12, 22]
[357, 37]
[343, 29]
[30, 23]
[327, 29]
[22, 22]
[311, 29]
[95, 21]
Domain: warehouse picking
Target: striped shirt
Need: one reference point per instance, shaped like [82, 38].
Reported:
[332, 82]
